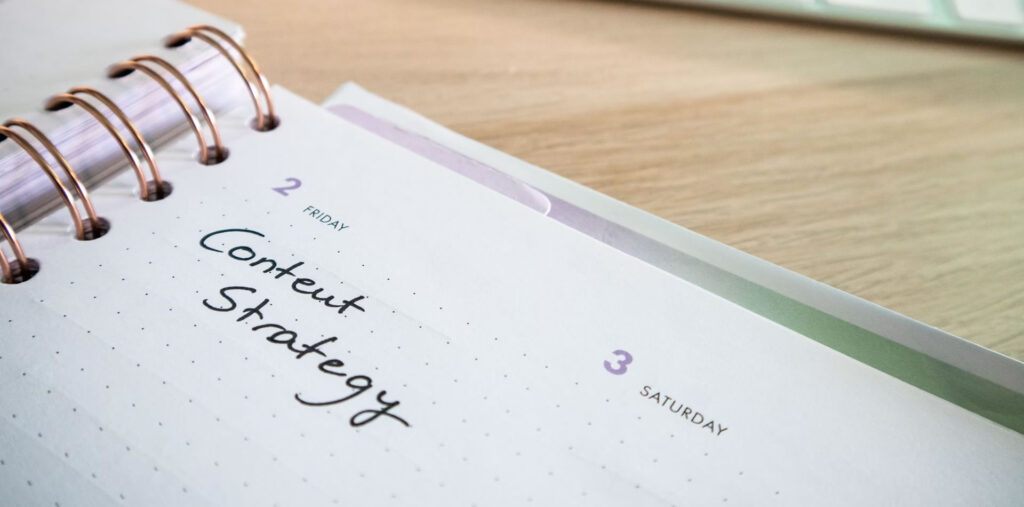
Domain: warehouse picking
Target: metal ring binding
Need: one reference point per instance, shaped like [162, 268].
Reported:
[250, 87]
[82, 231]
[220, 152]
[66, 99]
[264, 120]
[127, 67]
[22, 268]
[160, 188]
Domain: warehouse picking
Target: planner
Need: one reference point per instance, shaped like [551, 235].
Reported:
[321, 314]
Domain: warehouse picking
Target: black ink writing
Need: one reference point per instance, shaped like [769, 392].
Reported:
[253, 316]
[300, 285]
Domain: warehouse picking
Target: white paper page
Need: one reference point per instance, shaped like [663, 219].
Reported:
[490, 326]
[57, 44]
[690, 254]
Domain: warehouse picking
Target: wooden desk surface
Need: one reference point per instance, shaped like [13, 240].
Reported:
[888, 166]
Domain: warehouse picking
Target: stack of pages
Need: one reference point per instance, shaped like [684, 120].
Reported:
[359, 306]
[37, 63]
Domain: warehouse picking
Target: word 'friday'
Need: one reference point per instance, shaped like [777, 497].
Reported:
[678, 407]
[324, 218]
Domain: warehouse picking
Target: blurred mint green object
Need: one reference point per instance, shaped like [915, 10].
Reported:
[998, 20]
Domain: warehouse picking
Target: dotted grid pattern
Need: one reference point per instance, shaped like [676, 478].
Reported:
[119, 387]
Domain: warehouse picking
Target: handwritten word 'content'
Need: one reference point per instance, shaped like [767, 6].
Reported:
[268, 265]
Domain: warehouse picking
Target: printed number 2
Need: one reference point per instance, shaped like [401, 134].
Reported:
[625, 358]
[295, 183]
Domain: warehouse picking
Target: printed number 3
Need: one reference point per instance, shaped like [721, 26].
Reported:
[295, 183]
[625, 358]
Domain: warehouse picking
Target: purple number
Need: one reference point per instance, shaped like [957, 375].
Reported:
[625, 358]
[295, 183]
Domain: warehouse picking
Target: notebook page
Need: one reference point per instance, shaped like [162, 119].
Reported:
[731, 273]
[58, 44]
[471, 352]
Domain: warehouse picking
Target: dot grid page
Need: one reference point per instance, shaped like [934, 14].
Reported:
[327, 318]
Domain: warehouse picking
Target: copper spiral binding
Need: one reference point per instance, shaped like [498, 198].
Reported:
[250, 73]
[207, 154]
[65, 100]
[211, 121]
[92, 228]
[22, 268]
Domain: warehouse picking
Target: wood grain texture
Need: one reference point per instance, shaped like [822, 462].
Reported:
[889, 166]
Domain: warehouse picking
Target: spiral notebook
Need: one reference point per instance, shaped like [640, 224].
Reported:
[327, 316]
